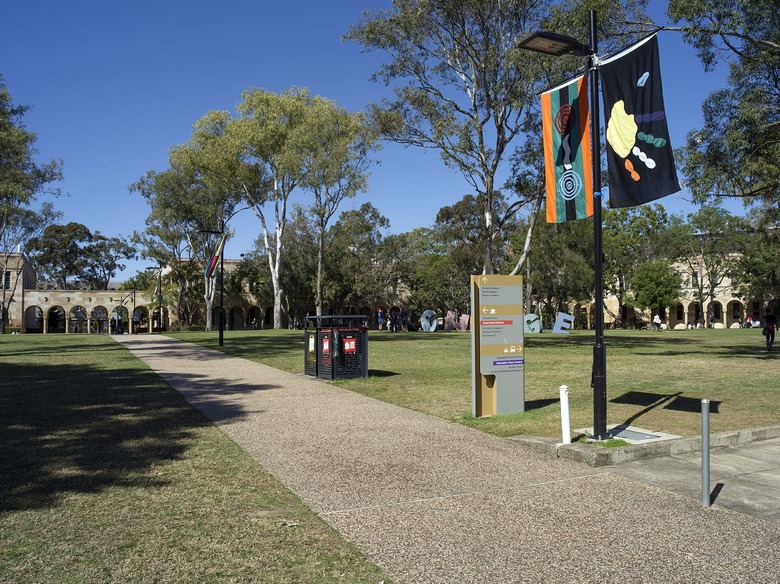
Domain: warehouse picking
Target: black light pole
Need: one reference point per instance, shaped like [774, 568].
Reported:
[555, 44]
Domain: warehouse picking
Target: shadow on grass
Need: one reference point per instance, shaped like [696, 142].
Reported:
[82, 429]
[538, 404]
[650, 401]
[381, 373]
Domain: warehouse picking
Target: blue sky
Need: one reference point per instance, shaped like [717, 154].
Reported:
[112, 86]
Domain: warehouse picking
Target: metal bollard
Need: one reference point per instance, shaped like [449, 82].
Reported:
[565, 429]
[705, 453]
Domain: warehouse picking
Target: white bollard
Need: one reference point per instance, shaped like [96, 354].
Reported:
[565, 429]
[705, 453]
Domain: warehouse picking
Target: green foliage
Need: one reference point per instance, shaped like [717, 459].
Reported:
[463, 87]
[737, 151]
[103, 259]
[655, 284]
[758, 270]
[361, 260]
[709, 244]
[22, 179]
[632, 236]
[59, 253]
[561, 265]
[71, 256]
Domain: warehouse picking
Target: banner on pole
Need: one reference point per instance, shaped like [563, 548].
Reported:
[215, 258]
[639, 155]
[567, 152]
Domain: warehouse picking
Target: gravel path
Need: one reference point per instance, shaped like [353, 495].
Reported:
[431, 501]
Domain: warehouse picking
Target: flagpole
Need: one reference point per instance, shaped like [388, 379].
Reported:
[599, 349]
[555, 44]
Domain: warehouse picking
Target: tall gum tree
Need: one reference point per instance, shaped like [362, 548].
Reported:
[335, 168]
[463, 87]
[22, 181]
[737, 151]
[204, 190]
[272, 132]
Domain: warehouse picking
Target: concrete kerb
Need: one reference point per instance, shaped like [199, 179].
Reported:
[598, 456]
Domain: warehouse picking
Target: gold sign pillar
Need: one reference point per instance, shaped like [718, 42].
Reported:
[497, 349]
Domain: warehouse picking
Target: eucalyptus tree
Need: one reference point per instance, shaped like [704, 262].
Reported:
[710, 245]
[361, 260]
[632, 236]
[58, 253]
[462, 85]
[104, 257]
[207, 187]
[561, 266]
[299, 266]
[655, 285]
[335, 167]
[271, 137]
[21, 227]
[22, 181]
[759, 268]
[737, 151]
[171, 237]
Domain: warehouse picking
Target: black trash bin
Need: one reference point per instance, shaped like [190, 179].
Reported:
[336, 346]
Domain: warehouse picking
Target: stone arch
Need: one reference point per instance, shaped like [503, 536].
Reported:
[55, 320]
[120, 320]
[33, 319]
[159, 320]
[735, 312]
[99, 320]
[695, 317]
[215, 318]
[236, 319]
[78, 321]
[254, 317]
[717, 315]
[140, 319]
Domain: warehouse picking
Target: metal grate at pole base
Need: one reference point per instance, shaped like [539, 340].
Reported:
[336, 346]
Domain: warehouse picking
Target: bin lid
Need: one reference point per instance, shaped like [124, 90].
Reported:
[329, 320]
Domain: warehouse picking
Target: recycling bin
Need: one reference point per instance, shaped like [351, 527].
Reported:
[336, 346]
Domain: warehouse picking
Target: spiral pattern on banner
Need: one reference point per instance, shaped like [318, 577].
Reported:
[570, 185]
[564, 120]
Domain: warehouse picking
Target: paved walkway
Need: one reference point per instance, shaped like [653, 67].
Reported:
[431, 501]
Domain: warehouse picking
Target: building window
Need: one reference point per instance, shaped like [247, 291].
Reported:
[695, 279]
[7, 280]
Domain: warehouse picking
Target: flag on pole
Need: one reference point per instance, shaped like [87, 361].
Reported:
[639, 155]
[215, 258]
[567, 152]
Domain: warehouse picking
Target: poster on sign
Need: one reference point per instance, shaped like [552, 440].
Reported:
[350, 345]
[326, 346]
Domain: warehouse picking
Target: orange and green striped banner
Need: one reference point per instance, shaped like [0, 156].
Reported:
[567, 158]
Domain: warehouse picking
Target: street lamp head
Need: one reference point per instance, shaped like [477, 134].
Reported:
[554, 44]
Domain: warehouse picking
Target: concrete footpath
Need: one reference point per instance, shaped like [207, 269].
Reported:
[431, 501]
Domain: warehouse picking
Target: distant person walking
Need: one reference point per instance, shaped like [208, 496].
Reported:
[657, 322]
[770, 324]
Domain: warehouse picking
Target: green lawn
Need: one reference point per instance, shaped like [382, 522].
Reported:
[654, 380]
[108, 475]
